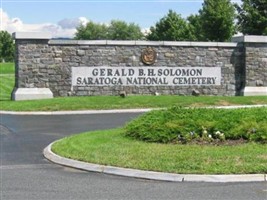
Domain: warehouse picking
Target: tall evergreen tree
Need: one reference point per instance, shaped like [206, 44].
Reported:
[252, 17]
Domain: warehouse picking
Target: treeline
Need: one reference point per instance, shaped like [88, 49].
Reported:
[217, 20]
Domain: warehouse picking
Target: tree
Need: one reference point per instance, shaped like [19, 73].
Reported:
[120, 30]
[7, 47]
[171, 27]
[116, 30]
[252, 17]
[91, 31]
[217, 20]
[195, 28]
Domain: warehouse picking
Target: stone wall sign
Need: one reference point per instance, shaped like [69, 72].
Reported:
[145, 76]
[46, 66]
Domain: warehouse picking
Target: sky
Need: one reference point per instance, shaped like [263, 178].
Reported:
[61, 17]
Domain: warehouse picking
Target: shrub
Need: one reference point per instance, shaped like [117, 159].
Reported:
[200, 124]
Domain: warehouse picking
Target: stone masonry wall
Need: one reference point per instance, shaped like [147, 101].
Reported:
[47, 64]
[256, 64]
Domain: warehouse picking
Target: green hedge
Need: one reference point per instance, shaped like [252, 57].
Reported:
[199, 124]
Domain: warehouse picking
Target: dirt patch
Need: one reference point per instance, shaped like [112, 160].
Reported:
[258, 102]
[196, 105]
[264, 157]
[224, 103]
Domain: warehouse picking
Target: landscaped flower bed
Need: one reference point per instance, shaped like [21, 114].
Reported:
[200, 125]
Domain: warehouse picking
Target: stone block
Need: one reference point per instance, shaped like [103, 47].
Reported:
[259, 83]
[80, 52]
[171, 43]
[58, 60]
[19, 94]
[169, 55]
[255, 91]
[123, 42]
[123, 94]
[32, 35]
[250, 39]
[195, 93]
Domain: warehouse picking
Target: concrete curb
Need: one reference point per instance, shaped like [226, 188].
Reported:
[88, 112]
[78, 112]
[48, 154]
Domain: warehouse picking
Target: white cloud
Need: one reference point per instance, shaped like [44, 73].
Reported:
[64, 28]
[72, 23]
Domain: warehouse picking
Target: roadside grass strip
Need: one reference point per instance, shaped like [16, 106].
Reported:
[111, 147]
[161, 141]
[130, 102]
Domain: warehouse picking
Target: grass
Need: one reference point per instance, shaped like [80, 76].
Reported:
[7, 68]
[6, 87]
[115, 102]
[7, 80]
[110, 147]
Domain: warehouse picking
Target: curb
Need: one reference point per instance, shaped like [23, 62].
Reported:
[141, 174]
[88, 112]
[78, 112]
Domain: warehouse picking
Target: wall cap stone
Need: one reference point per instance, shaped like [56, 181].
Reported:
[121, 42]
[250, 39]
[141, 43]
[91, 42]
[32, 35]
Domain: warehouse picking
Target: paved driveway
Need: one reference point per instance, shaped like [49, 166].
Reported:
[25, 174]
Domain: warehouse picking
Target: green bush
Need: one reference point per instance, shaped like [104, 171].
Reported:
[200, 124]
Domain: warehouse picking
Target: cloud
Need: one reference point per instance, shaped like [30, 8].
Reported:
[64, 28]
[72, 23]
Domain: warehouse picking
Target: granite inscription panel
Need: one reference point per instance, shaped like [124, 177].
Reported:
[145, 76]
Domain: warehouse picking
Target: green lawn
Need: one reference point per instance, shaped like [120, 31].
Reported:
[7, 80]
[112, 148]
[6, 87]
[7, 68]
[115, 102]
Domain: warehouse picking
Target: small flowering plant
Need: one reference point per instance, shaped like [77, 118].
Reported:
[204, 132]
[219, 135]
[204, 135]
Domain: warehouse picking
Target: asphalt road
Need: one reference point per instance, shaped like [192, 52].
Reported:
[26, 175]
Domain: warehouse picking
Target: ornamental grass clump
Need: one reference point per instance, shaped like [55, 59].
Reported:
[200, 125]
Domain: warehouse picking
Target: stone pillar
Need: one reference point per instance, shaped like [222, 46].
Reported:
[255, 64]
[27, 58]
